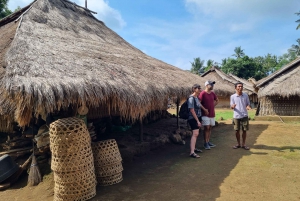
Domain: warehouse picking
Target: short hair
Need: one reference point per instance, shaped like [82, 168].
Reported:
[235, 85]
[195, 86]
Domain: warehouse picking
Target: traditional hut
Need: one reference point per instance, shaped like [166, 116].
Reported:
[55, 55]
[279, 93]
[224, 86]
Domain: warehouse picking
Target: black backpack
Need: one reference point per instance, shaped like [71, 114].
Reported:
[184, 109]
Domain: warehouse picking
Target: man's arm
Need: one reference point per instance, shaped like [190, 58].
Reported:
[216, 102]
[232, 104]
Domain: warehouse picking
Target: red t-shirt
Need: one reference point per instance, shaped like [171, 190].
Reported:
[208, 102]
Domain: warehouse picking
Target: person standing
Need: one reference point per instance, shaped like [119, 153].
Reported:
[240, 104]
[194, 118]
[209, 100]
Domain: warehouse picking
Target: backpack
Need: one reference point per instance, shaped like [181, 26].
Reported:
[184, 109]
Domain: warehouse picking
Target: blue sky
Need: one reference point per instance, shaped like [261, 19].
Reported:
[177, 31]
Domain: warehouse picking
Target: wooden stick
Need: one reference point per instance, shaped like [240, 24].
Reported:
[14, 150]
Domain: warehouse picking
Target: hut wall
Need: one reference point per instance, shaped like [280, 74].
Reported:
[224, 102]
[277, 105]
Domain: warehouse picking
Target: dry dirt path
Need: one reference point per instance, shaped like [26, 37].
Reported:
[269, 171]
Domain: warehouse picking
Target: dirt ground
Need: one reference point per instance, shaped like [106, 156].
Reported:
[269, 171]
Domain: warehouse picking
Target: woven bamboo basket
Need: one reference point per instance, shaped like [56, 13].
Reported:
[108, 162]
[70, 145]
[107, 171]
[72, 160]
[78, 191]
[106, 153]
[107, 181]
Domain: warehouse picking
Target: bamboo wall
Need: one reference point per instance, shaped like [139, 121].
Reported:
[277, 105]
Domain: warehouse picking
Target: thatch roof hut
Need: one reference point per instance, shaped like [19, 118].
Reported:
[55, 54]
[279, 93]
[224, 86]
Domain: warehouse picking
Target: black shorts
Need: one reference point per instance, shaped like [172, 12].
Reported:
[193, 123]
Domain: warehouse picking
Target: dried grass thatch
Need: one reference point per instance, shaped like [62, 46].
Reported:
[57, 54]
[225, 83]
[285, 82]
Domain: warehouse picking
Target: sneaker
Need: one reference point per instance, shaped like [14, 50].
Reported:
[206, 146]
[198, 150]
[211, 145]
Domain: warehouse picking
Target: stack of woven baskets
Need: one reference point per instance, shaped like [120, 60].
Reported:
[72, 160]
[108, 162]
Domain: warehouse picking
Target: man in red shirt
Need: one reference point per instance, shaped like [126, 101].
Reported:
[209, 100]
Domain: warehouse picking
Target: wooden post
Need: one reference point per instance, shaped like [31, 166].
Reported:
[141, 131]
[177, 112]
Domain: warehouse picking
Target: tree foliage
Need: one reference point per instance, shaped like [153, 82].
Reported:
[238, 52]
[197, 66]
[4, 11]
[243, 67]
[298, 21]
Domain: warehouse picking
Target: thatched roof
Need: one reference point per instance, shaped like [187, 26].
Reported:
[57, 54]
[285, 82]
[225, 83]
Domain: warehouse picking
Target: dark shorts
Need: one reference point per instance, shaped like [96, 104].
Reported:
[193, 123]
[241, 124]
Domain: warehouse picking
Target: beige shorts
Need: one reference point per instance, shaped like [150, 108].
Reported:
[241, 124]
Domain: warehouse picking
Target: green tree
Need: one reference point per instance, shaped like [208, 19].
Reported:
[17, 9]
[4, 11]
[298, 21]
[197, 66]
[224, 61]
[295, 48]
[244, 67]
[238, 52]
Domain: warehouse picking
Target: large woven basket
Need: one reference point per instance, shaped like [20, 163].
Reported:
[72, 160]
[107, 181]
[106, 153]
[108, 162]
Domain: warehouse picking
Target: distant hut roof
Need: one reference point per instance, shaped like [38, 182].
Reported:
[285, 82]
[58, 54]
[225, 83]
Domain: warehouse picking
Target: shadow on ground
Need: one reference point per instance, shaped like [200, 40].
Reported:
[168, 173]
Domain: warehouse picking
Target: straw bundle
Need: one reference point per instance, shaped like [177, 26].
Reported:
[108, 162]
[72, 160]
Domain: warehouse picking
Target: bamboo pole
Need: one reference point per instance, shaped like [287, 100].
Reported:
[177, 112]
[141, 131]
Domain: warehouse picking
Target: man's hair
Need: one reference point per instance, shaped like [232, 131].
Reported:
[235, 85]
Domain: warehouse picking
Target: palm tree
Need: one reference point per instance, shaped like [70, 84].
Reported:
[224, 61]
[197, 66]
[238, 52]
[295, 48]
[298, 21]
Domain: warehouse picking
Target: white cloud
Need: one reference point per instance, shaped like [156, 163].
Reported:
[111, 17]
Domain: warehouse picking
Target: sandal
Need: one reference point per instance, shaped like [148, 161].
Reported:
[236, 147]
[245, 147]
[193, 155]
[196, 150]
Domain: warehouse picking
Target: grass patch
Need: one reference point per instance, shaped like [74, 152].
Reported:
[227, 114]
